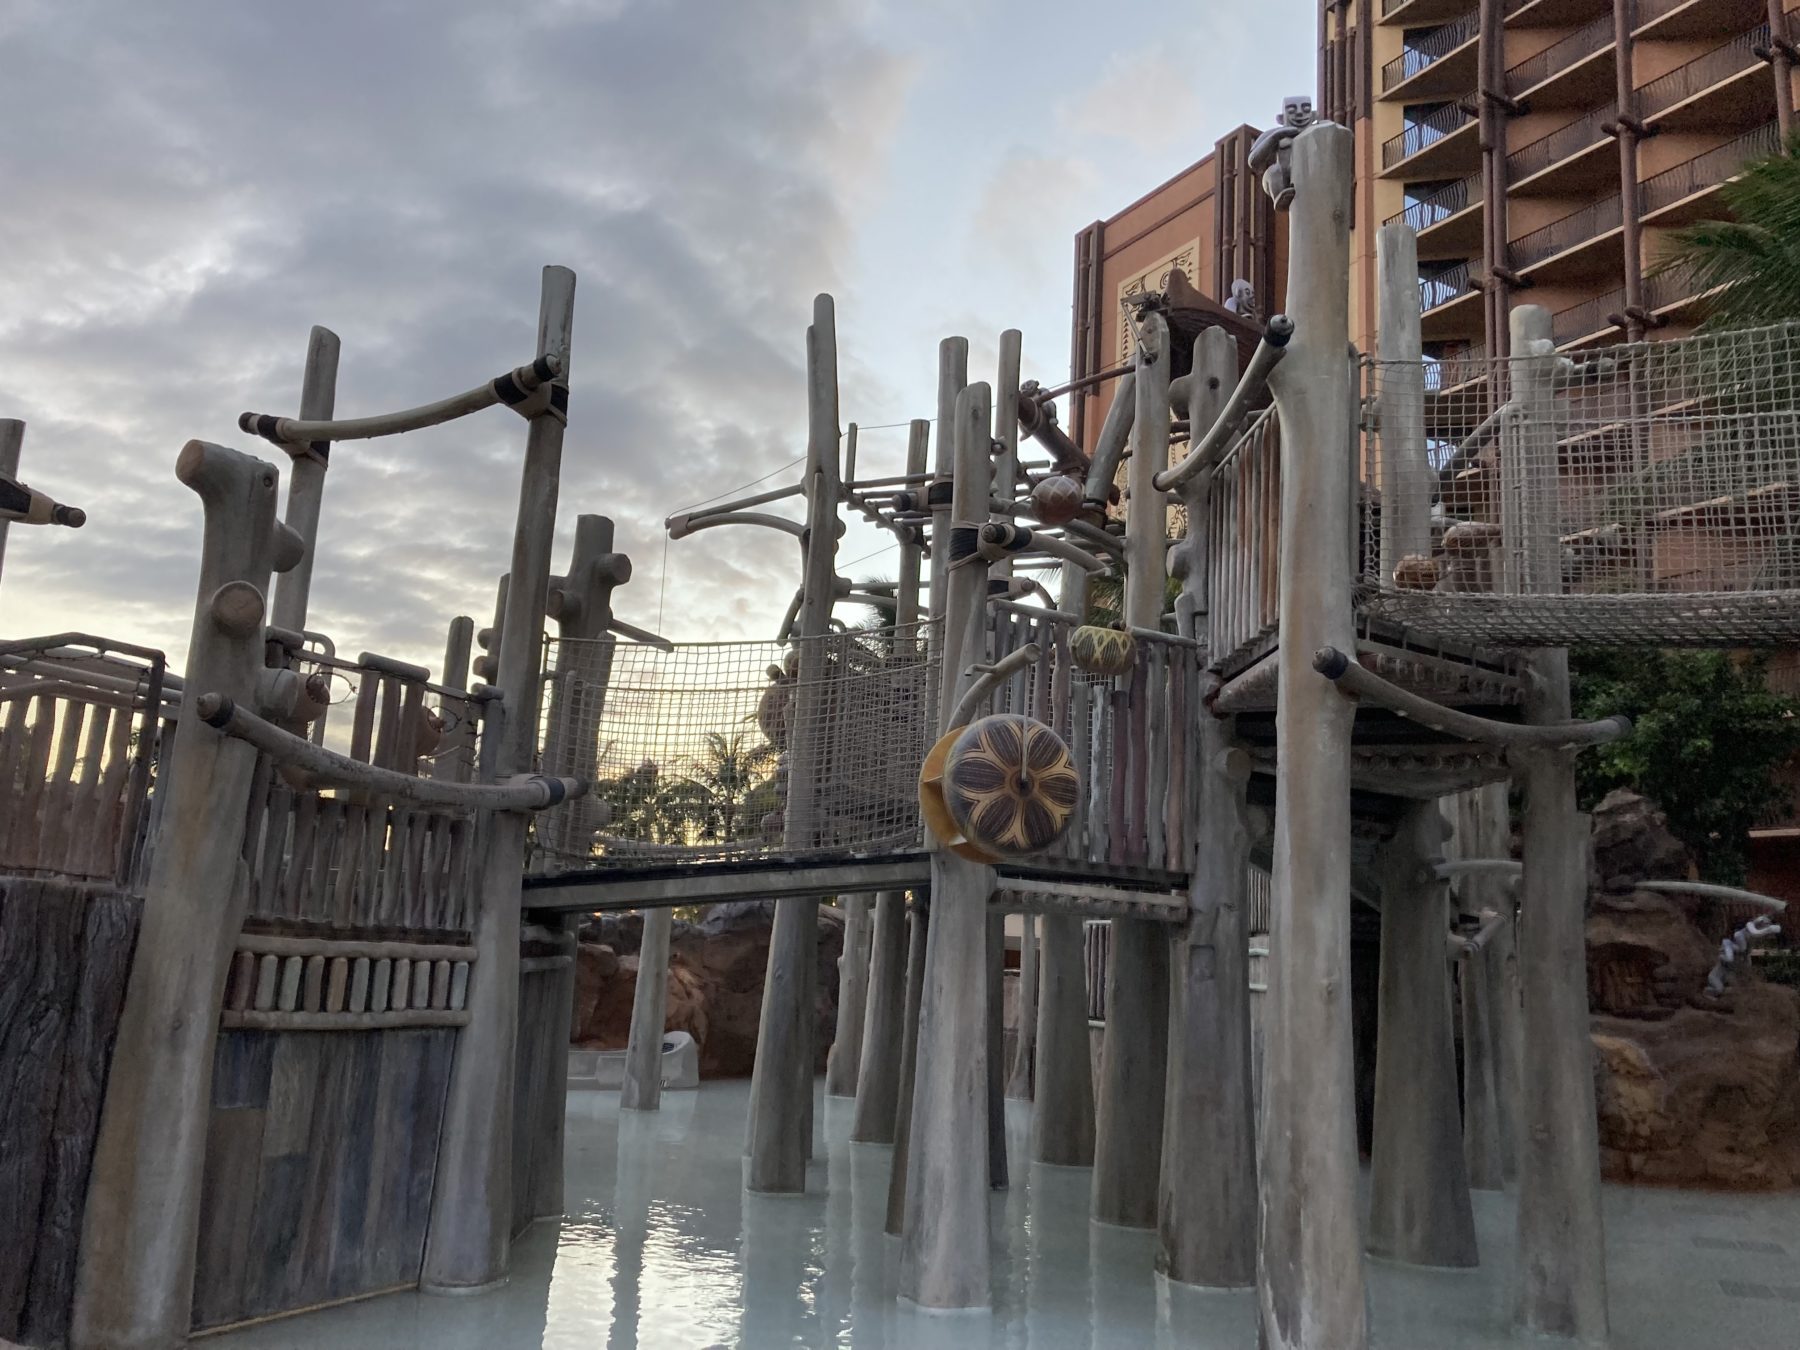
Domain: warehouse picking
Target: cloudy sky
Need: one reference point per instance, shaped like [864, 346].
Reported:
[188, 187]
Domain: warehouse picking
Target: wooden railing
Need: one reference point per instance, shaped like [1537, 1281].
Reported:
[1243, 536]
[81, 722]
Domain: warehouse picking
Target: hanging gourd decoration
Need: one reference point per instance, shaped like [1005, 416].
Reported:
[1102, 650]
[1058, 499]
[1001, 787]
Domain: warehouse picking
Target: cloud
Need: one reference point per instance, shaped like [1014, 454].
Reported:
[204, 182]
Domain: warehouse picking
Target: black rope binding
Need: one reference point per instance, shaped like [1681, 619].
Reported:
[940, 492]
[965, 542]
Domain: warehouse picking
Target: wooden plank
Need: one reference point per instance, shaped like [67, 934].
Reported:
[109, 933]
[113, 843]
[362, 726]
[1137, 708]
[412, 864]
[85, 846]
[350, 864]
[1155, 744]
[294, 882]
[223, 1258]
[15, 737]
[1118, 805]
[340, 1266]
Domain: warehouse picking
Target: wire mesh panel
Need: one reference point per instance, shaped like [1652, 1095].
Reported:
[1647, 493]
[735, 750]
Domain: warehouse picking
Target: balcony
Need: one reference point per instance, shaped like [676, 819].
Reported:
[1680, 195]
[1437, 65]
[1441, 288]
[1587, 321]
[1441, 144]
[1553, 13]
[1727, 86]
[1568, 159]
[1417, 13]
[1572, 71]
[1659, 20]
[1447, 219]
[1569, 234]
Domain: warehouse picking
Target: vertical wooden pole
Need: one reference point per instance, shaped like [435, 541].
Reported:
[1134, 1059]
[1310, 1269]
[1782, 64]
[1406, 475]
[1562, 1241]
[844, 1061]
[781, 1084]
[1018, 1081]
[468, 1240]
[944, 1246]
[306, 479]
[456, 753]
[1062, 1116]
[135, 1279]
[1206, 1216]
[1490, 996]
[1419, 1209]
[12, 440]
[878, 1082]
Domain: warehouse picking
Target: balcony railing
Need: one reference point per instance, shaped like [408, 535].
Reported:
[1721, 63]
[1584, 131]
[1440, 203]
[1427, 131]
[1662, 289]
[1570, 231]
[1443, 287]
[1428, 50]
[1587, 318]
[1709, 168]
[1592, 37]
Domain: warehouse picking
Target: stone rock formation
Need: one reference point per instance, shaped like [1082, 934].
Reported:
[715, 982]
[1691, 1090]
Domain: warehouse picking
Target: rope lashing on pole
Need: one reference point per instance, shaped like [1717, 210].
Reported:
[530, 390]
[30, 507]
[523, 792]
[1356, 681]
[1277, 333]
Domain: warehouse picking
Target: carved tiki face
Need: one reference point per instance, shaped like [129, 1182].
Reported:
[1297, 111]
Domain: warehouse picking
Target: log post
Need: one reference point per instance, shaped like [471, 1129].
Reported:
[1062, 1116]
[455, 759]
[1419, 1208]
[1018, 1081]
[1490, 995]
[306, 478]
[953, 377]
[1134, 1056]
[12, 441]
[1561, 1259]
[1406, 475]
[1310, 1291]
[944, 1246]
[1206, 1217]
[781, 1080]
[844, 1059]
[878, 1079]
[135, 1281]
[468, 1239]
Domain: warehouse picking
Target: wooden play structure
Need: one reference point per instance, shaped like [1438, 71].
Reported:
[297, 993]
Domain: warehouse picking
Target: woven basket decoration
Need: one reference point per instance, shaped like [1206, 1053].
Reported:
[1102, 651]
[1010, 785]
[1057, 500]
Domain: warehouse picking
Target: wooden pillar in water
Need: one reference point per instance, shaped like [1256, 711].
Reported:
[1206, 1219]
[884, 1027]
[1310, 1290]
[1134, 1060]
[1062, 1114]
[469, 1238]
[135, 1280]
[1561, 1259]
[1018, 1079]
[1419, 1208]
[1490, 993]
[953, 377]
[306, 479]
[844, 1061]
[781, 1083]
[944, 1246]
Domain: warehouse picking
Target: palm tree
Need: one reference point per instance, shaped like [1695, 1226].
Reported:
[1752, 258]
[727, 784]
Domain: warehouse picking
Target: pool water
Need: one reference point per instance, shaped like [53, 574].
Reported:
[660, 1247]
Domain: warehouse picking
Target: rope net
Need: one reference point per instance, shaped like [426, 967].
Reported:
[724, 751]
[1642, 494]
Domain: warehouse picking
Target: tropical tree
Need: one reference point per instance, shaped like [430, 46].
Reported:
[1752, 257]
[730, 785]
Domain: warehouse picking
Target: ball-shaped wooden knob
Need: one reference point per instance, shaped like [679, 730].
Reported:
[1010, 785]
[1102, 651]
[1057, 500]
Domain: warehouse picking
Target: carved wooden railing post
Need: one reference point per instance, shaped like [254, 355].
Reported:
[467, 1244]
[455, 759]
[1310, 1290]
[1206, 1218]
[135, 1283]
[944, 1245]
[781, 1083]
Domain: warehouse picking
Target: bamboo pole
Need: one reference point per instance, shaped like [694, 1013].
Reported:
[469, 1237]
[1310, 1291]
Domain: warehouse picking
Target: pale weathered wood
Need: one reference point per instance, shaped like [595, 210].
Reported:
[306, 480]
[918, 934]
[1310, 1289]
[1018, 1081]
[642, 1086]
[1406, 474]
[843, 1063]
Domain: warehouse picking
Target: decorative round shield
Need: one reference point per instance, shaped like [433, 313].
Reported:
[1010, 785]
[1057, 500]
[936, 811]
[1102, 651]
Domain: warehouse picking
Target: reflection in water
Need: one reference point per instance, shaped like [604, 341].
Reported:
[661, 1248]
